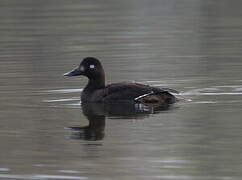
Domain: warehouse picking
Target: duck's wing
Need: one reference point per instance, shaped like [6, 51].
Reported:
[129, 92]
[125, 91]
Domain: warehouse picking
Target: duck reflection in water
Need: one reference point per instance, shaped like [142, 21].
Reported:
[96, 114]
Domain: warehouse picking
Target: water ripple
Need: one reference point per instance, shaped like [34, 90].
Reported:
[41, 176]
[4, 169]
[62, 100]
[215, 91]
[63, 91]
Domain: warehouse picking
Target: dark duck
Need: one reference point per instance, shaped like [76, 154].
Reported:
[127, 92]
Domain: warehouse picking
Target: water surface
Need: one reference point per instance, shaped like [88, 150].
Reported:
[193, 46]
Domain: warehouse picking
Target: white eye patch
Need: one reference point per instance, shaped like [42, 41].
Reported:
[91, 66]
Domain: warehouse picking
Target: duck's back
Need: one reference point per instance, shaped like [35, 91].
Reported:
[131, 92]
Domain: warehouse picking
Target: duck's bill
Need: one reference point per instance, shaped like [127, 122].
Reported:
[74, 72]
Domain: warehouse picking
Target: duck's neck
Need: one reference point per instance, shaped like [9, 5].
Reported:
[95, 83]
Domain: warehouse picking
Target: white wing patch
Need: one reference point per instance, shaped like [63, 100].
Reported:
[91, 66]
[144, 95]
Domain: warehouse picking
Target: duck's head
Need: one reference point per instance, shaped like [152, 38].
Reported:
[89, 67]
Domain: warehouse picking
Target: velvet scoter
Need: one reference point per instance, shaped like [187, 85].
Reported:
[97, 91]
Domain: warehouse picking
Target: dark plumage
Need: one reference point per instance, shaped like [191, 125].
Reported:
[96, 91]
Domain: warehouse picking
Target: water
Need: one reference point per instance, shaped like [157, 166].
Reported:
[193, 46]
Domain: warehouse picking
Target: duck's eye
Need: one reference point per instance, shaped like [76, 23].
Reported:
[91, 66]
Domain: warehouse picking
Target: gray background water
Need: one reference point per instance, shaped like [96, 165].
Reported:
[193, 46]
